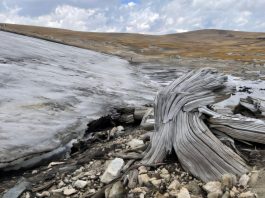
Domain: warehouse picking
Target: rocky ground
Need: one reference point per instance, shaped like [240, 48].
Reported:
[106, 163]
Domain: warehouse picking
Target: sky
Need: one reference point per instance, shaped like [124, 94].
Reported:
[140, 16]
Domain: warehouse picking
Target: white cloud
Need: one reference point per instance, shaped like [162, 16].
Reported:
[149, 16]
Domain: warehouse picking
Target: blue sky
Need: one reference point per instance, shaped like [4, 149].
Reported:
[142, 16]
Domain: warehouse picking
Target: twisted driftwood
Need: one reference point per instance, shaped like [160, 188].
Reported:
[179, 126]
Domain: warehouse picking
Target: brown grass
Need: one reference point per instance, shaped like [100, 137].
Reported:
[214, 44]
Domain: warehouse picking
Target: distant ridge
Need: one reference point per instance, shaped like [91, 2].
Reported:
[207, 43]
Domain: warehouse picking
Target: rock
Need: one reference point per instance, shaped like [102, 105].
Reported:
[253, 178]
[134, 143]
[247, 194]
[18, 189]
[228, 180]
[213, 186]
[226, 194]
[127, 118]
[183, 193]
[69, 191]
[194, 188]
[148, 120]
[214, 195]
[243, 181]
[80, 184]
[156, 182]
[143, 179]
[142, 169]
[58, 190]
[173, 193]
[139, 113]
[116, 191]
[113, 131]
[27, 195]
[120, 128]
[54, 164]
[164, 174]
[140, 190]
[234, 192]
[174, 185]
[43, 194]
[141, 195]
[112, 171]
[61, 184]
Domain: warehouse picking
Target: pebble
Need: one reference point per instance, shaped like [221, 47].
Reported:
[120, 128]
[156, 182]
[165, 174]
[143, 179]
[54, 164]
[174, 185]
[142, 169]
[43, 194]
[140, 190]
[183, 193]
[213, 186]
[253, 178]
[116, 190]
[247, 194]
[243, 181]
[113, 170]
[135, 143]
[228, 180]
[61, 184]
[80, 184]
[214, 195]
[69, 191]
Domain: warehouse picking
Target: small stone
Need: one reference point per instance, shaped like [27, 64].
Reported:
[113, 131]
[243, 181]
[58, 190]
[214, 195]
[69, 191]
[80, 184]
[194, 188]
[247, 194]
[112, 171]
[54, 164]
[156, 182]
[61, 184]
[183, 193]
[92, 190]
[174, 185]
[141, 195]
[173, 193]
[164, 174]
[226, 194]
[43, 194]
[142, 169]
[143, 179]
[135, 143]
[253, 178]
[116, 191]
[27, 195]
[228, 180]
[120, 128]
[213, 186]
[34, 172]
[140, 190]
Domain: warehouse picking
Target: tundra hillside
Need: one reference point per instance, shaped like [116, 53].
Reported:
[246, 47]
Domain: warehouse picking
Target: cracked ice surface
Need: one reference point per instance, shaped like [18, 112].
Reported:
[48, 93]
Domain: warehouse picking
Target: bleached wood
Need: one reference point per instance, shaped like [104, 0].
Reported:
[178, 126]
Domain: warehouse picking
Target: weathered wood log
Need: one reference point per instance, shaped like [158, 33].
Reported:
[178, 126]
[239, 127]
[255, 105]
